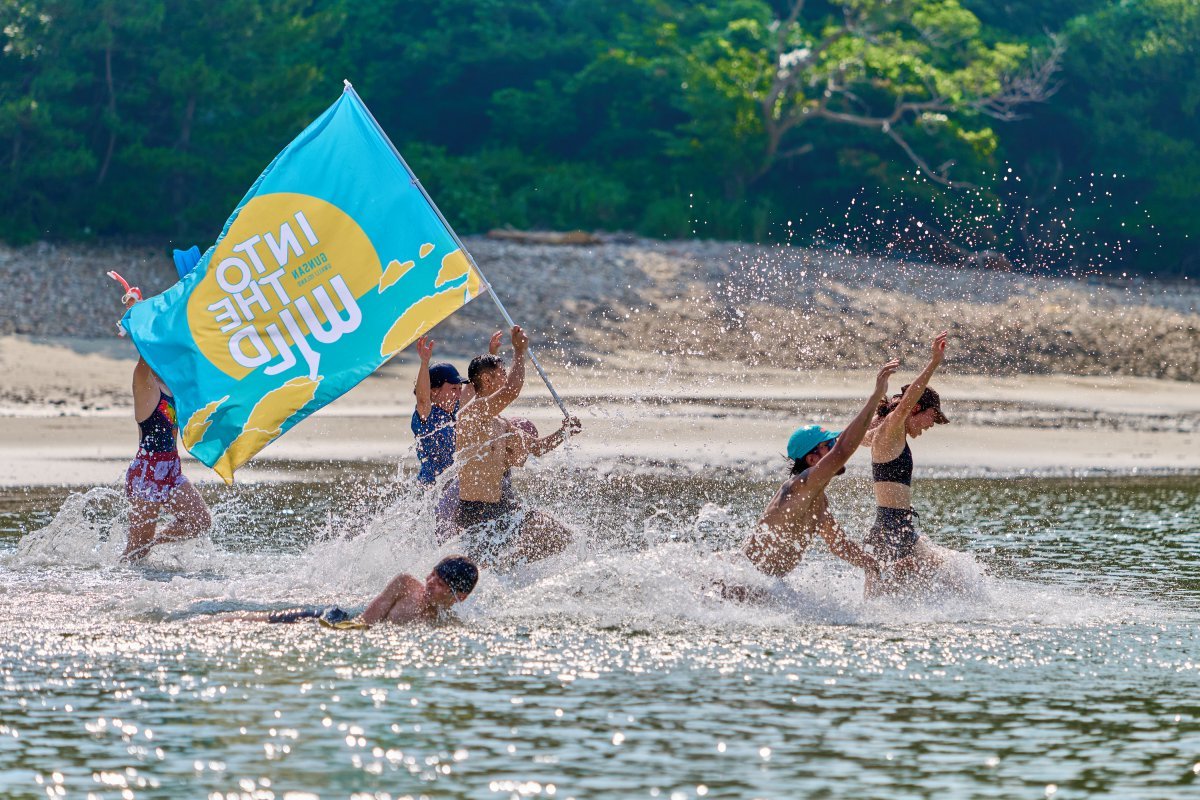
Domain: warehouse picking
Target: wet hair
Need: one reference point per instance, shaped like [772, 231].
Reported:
[888, 404]
[481, 364]
[459, 573]
[801, 464]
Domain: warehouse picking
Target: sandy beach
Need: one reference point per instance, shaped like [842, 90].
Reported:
[636, 415]
[689, 355]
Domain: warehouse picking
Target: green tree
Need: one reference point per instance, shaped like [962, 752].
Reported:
[1133, 90]
[915, 76]
[151, 116]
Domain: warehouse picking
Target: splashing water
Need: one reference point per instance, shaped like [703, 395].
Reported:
[615, 667]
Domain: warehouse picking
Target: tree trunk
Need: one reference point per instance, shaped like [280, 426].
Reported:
[112, 115]
[178, 181]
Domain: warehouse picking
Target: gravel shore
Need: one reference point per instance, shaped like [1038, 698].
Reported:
[744, 305]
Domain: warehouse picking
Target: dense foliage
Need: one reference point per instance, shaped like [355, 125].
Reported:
[1062, 135]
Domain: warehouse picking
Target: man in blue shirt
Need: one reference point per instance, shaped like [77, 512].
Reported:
[440, 394]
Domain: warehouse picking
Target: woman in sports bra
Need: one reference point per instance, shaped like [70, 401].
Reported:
[894, 539]
[154, 481]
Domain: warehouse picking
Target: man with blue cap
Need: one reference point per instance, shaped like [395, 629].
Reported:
[800, 510]
[440, 394]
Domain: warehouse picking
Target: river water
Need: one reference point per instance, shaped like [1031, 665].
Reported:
[1068, 668]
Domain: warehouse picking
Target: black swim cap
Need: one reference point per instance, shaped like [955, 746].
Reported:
[459, 573]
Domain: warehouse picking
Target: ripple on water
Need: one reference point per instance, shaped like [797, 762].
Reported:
[615, 669]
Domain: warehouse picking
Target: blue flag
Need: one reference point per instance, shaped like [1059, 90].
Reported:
[333, 262]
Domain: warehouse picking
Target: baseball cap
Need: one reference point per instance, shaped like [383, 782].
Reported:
[931, 399]
[803, 440]
[444, 373]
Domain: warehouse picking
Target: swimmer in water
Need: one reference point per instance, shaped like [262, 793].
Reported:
[154, 481]
[497, 530]
[405, 600]
[799, 511]
[894, 539]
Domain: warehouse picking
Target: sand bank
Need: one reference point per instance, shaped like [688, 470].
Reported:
[638, 410]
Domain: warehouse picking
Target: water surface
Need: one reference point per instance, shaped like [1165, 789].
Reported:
[1068, 669]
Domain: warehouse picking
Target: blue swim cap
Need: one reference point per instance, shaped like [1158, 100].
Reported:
[459, 573]
[805, 439]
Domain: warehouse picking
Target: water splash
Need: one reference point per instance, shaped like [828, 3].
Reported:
[657, 568]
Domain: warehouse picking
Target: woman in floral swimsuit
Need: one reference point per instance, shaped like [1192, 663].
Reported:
[154, 482]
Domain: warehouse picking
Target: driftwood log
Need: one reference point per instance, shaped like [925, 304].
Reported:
[543, 237]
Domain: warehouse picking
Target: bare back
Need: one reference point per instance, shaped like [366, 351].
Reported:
[787, 527]
[889, 442]
[403, 601]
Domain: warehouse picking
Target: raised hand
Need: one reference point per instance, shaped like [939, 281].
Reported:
[939, 346]
[131, 298]
[885, 373]
[425, 349]
[495, 342]
[520, 339]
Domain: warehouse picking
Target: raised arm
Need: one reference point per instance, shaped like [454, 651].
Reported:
[423, 390]
[912, 394]
[852, 436]
[145, 383]
[499, 400]
[539, 447]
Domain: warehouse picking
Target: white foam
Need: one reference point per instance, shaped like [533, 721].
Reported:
[663, 578]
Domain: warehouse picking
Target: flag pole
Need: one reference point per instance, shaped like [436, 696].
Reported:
[483, 278]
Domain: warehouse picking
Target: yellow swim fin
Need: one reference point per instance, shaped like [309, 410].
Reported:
[345, 624]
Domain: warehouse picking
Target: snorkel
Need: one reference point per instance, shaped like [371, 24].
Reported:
[131, 293]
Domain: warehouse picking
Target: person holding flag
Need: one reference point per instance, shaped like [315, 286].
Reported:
[440, 392]
[497, 530]
[154, 481]
[335, 260]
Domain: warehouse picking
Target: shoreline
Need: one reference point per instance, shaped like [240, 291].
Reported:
[688, 356]
[692, 417]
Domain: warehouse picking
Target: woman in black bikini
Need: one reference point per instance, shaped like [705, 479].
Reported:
[154, 481]
[894, 539]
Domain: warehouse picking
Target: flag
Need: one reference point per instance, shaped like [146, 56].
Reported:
[333, 262]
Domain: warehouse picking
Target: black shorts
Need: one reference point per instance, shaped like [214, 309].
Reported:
[894, 535]
[489, 530]
[331, 614]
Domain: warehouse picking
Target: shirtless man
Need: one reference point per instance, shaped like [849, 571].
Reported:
[404, 600]
[440, 392]
[800, 510]
[497, 531]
